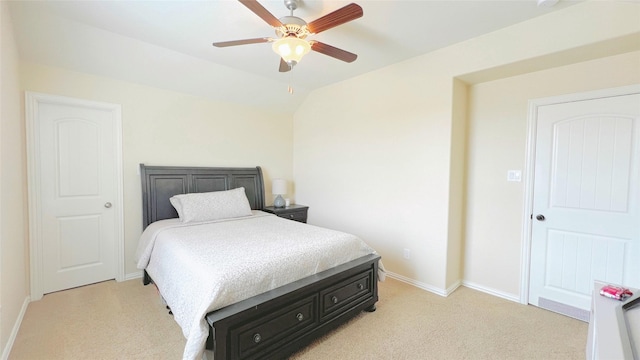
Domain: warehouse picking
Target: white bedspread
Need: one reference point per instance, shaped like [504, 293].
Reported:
[201, 267]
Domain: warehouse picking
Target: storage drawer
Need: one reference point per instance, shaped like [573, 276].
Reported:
[257, 338]
[345, 294]
[297, 216]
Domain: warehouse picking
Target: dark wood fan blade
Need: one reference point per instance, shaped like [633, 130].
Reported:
[333, 52]
[338, 17]
[241, 42]
[284, 67]
[264, 14]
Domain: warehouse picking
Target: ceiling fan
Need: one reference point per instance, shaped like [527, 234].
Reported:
[292, 31]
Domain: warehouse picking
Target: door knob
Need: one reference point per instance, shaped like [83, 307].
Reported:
[107, 205]
[540, 217]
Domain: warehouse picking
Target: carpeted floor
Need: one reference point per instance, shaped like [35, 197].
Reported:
[127, 320]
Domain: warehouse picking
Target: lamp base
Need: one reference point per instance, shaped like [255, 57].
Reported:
[279, 202]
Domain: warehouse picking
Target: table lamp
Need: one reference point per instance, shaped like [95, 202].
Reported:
[279, 188]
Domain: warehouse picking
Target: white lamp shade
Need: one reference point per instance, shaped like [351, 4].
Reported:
[279, 186]
[291, 49]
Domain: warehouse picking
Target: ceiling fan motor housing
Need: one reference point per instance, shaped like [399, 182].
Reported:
[293, 26]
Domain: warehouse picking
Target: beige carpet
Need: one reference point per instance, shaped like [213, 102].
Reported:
[128, 321]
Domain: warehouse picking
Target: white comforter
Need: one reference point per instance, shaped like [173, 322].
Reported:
[201, 267]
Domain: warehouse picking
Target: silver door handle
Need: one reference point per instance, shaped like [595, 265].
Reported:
[107, 205]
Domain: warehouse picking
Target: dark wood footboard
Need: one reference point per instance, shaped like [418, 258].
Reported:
[277, 323]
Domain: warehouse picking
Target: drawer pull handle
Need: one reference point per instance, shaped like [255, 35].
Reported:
[360, 286]
[300, 317]
[334, 299]
[257, 338]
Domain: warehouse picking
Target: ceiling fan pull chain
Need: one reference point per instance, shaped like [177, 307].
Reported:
[290, 88]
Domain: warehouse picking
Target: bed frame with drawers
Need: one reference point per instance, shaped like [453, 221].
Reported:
[279, 322]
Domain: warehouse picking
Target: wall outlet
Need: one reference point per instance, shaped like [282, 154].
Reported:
[406, 254]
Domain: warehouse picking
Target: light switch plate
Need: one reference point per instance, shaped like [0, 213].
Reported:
[514, 175]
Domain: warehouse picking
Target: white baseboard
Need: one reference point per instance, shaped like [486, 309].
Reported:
[490, 291]
[133, 275]
[423, 286]
[452, 288]
[16, 328]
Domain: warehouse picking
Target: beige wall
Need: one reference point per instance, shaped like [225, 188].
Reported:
[14, 289]
[371, 157]
[167, 128]
[378, 155]
[498, 115]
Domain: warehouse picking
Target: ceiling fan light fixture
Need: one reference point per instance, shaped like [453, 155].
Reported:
[291, 49]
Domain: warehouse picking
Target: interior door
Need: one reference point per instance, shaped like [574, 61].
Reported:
[76, 157]
[586, 218]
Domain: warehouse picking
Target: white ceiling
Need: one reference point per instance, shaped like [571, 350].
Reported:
[167, 44]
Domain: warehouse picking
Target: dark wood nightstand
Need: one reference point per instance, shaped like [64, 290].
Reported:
[292, 212]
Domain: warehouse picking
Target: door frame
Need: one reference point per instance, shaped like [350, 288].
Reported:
[532, 122]
[32, 103]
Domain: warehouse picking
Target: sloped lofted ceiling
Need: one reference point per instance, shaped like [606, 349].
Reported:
[167, 44]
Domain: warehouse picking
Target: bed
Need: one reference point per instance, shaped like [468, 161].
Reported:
[278, 316]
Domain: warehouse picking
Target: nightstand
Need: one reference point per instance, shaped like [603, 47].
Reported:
[292, 212]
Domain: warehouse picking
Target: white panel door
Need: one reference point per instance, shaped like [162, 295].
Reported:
[77, 168]
[586, 216]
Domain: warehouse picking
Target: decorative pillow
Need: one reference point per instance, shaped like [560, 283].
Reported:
[211, 205]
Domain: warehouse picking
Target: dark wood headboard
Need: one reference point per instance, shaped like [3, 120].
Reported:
[159, 183]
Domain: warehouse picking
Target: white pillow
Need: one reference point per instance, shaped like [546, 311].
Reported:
[211, 205]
